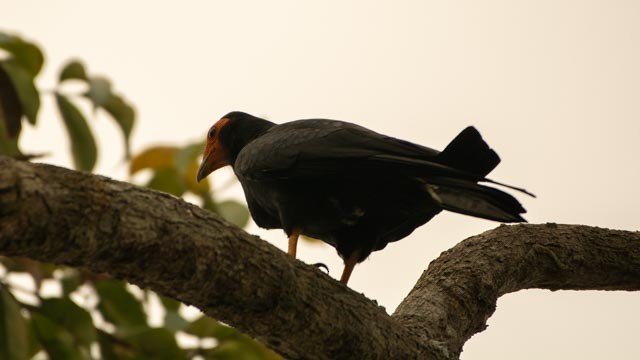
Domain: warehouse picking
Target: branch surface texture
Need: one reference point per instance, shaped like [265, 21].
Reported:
[158, 241]
[456, 295]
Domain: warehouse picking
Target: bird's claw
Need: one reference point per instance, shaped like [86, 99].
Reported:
[320, 266]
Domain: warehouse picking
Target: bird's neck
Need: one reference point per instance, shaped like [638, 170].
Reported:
[239, 133]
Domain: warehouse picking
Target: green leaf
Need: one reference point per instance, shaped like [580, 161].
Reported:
[241, 347]
[157, 343]
[39, 271]
[8, 146]
[232, 343]
[233, 350]
[10, 107]
[120, 307]
[99, 90]
[185, 156]
[83, 146]
[114, 348]
[233, 212]
[74, 69]
[74, 319]
[205, 326]
[167, 180]
[108, 348]
[101, 95]
[14, 336]
[124, 114]
[208, 202]
[170, 304]
[26, 54]
[25, 89]
[173, 321]
[56, 340]
[70, 281]
[34, 342]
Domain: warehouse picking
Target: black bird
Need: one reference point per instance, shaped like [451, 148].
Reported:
[351, 187]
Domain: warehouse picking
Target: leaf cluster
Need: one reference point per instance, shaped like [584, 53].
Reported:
[20, 101]
[94, 316]
[174, 171]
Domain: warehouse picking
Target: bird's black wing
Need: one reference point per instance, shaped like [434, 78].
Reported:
[334, 150]
[326, 148]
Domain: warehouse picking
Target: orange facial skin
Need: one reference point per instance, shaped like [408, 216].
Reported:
[215, 155]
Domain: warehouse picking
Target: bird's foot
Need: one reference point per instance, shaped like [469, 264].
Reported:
[322, 266]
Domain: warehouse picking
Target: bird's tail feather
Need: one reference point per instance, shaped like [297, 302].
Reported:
[469, 198]
[469, 152]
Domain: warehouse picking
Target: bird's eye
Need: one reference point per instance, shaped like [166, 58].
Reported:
[212, 132]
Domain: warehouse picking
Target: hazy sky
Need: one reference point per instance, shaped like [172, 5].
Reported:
[553, 86]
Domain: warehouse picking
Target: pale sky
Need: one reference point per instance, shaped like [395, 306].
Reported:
[553, 86]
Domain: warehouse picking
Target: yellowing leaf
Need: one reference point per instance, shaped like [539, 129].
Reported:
[167, 180]
[190, 179]
[155, 158]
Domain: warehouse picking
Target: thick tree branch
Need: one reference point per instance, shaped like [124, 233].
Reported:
[158, 241]
[458, 293]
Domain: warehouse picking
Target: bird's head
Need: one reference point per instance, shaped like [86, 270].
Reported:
[227, 137]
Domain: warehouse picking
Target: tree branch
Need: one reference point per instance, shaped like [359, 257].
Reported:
[458, 293]
[160, 242]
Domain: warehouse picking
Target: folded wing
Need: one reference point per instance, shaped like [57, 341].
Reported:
[334, 149]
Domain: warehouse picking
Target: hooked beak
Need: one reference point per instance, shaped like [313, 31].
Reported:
[215, 154]
[215, 157]
[204, 169]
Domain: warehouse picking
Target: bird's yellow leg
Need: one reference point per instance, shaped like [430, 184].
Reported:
[349, 264]
[293, 242]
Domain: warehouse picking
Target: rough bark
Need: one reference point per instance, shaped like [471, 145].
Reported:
[160, 242]
[453, 299]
